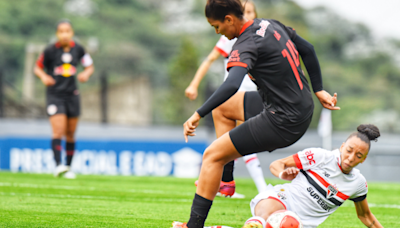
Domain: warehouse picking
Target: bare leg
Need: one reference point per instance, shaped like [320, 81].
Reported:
[266, 207]
[58, 124]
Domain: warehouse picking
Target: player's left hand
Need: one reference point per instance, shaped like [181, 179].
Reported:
[189, 127]
[82, 77]
[289, 173]
[328, 101]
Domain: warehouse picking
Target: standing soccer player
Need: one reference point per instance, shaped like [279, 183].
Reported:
[57, 68]
[224, 48]
[267, 51]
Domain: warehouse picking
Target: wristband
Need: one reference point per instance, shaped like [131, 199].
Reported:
[280, 175]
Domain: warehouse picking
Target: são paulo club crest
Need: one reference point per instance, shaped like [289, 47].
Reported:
[66, 57]
[331, 191]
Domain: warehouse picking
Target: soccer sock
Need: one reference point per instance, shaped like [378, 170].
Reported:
[56, 146]
[70, 147]
[198, 215]
[254, 168]
[257, 219]
[227, 175]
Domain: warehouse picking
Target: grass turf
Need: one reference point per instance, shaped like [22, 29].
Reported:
[38, 200]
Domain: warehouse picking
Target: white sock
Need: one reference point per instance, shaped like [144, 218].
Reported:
[257, 219]
[254, 168]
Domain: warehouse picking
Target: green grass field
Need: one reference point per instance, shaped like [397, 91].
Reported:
[37, 200]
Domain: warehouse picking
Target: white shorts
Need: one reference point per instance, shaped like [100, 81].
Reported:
[278, 193]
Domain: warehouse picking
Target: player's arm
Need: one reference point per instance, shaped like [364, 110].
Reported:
[88, 71]
[310, 59]
[223, 93]
[365, 214]
[285, 168]
[191, 90]
[38, 70]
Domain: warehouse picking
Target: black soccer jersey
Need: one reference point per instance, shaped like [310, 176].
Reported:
[264, 47]
[62, 66]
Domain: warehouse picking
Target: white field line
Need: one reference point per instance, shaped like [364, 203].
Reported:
[146, 191]
[65, 196]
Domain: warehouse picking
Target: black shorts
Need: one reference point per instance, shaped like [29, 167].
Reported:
[263, 132]
[63, 104]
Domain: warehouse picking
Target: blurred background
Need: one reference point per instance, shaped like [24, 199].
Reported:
[147, 51]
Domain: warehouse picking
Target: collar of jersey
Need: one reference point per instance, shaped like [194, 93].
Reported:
[245, 26]
[71, 44]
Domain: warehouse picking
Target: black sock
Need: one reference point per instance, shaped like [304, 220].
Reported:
[56, 146]
[227, 175]
[200, 208]
[70, 148]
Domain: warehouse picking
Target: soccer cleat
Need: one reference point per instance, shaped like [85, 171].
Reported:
[226, 189]
[178, 225]
[254, 222]
[70, 175]
[60, 169]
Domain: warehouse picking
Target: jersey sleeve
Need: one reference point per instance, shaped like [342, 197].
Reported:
[85, 58]
[361, 192]
[224, 46]
[289, 30]
[310, 158]
[43, 59]
[244, 54]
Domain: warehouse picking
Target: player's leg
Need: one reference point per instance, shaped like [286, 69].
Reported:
[73, 111]
[58, 124]
[263, 209]
[220, 152]
[253, 166]
[225, 117]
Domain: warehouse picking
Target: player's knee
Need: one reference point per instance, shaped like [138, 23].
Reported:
[212, 156]
[70, 135]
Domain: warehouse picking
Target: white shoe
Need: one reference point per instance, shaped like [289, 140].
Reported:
[70, 175]
[235, 195]
[60, 169]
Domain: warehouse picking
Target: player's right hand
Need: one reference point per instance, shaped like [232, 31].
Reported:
[189, 127]
[48, 80]
[191, 92]
[289, 173]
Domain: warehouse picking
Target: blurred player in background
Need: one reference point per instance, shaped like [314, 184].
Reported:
[322, 181]
[57, 68]
[275, 117]
[224, 48]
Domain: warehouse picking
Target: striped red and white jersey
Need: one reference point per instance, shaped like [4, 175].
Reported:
[321, 186]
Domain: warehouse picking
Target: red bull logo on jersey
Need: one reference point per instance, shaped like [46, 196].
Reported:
[263, 29]
[65, 70]
[234, 57]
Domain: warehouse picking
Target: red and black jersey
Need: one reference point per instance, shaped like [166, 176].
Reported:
[62, 66]
[265, 48]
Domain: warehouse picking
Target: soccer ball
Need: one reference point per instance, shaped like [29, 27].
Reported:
[283, 219]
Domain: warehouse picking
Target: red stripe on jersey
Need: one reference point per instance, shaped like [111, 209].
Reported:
[297, 161]
[274, 198]
[222, 52]
[251, 159]
[245, 26]
[40, 60]
[326, 184]
[232, 64]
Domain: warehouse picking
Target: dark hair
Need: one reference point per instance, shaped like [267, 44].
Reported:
[367, 133]
[62, 21]
[218, 9]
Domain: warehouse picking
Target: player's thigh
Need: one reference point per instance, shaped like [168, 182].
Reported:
[232, 108]
[72, 123]
[221, 151]
[58, 124]
[266, 207]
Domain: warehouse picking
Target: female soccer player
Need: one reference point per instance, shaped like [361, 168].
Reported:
[321, 181]
[223, 48]
[57, 67]
[268, 51]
